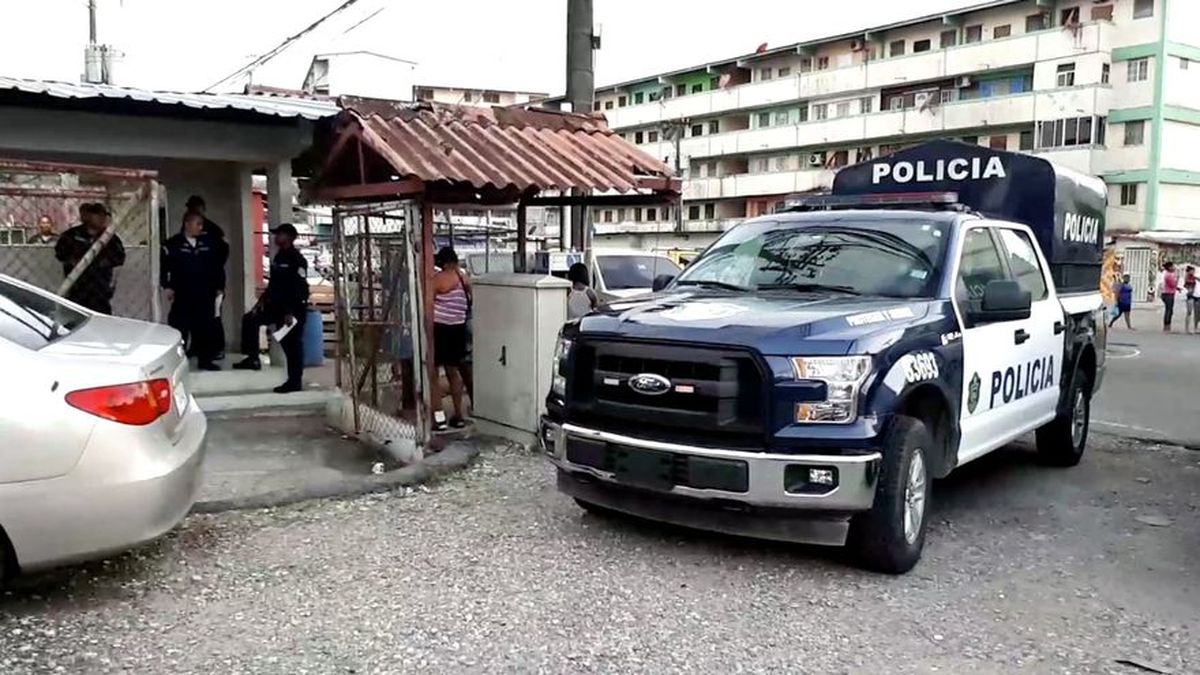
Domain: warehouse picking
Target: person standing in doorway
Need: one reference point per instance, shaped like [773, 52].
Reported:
[192, 279]
[1124, 292]
[451, 303]
[216, 239]
[1168, 287]
[95, 286]
[283, 304]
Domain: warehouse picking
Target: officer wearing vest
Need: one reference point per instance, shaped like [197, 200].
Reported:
[192, 275]
[284, 303]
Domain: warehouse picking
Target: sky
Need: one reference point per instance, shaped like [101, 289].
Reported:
[188, 45]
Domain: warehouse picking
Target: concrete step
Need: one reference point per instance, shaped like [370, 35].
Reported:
[300, 402]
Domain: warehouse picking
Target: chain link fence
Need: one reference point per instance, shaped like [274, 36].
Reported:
[39, 204]
[378, 296]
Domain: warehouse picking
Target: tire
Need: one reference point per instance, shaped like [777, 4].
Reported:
[889, 538]
[1061, 441]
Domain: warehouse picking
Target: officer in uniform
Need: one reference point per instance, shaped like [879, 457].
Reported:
[192, 275]
[216, 237]
[284, 303]
[94, 287]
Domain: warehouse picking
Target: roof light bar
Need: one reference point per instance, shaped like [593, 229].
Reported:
[945, 200]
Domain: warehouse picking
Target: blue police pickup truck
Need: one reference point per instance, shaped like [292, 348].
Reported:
[807, 376]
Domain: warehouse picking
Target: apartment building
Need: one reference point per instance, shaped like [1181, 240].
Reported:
[1107, 87]
[359, 73]
[476, 97]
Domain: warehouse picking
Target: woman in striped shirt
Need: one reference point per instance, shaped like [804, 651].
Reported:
[451, 300]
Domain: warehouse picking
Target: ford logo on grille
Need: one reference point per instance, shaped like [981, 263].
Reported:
[650, 384]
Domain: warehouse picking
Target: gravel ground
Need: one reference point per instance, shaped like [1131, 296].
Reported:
[1027, 570]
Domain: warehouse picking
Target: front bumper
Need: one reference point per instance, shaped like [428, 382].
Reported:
[766, 474]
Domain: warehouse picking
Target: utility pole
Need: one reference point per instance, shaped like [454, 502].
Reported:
[581, 90]
[92, 22]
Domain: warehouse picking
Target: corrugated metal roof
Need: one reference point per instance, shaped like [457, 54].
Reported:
[504, 148]
[277, 106]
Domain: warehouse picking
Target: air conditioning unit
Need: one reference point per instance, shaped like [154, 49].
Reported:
[964, 81]
[816, 159]
[857, 45]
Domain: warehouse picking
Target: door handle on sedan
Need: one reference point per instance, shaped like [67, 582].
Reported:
[1020, 336]
[1059, 327]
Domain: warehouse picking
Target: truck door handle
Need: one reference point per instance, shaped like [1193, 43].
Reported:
[1059, 327]
[1020, 336]
[504, 355]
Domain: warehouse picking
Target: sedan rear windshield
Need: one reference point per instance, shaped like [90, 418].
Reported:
[897, 258]
[34, 320]
[622, 272]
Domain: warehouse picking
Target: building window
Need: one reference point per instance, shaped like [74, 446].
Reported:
[667, 93]
[805, 65]
[1035, 22]
[491, 97]
[714, 126]
[764, 119]
[714, 83]
[822, 63]
[653, 96]
[1129, 194]
[651, 136]
[866, 104]
[821, 111]
[765, 73]
[1001, 31]
[637, 215]
[970, 140]
[946, 95]
[639, 137]
[922, 46]
[1143, 9]
[782, 117]
[621, 101]
[608, 105]
[608, 215]
[1069, 17]
[1138, 70]
[652, 214]
[694, 212]
[639, 97]
[785, 71]
[948, 39]
[1135, 132]
[896, 48]
[1071, 131]
[760, 165]
[974, 34]
[710, 211]
[698, 88]
[697, 129]
[596, 105]
[1026, 142]
[620, 215]
[779, 164]
[843, 109]
[1066, 75]
[1105, 70]
[803, 113]
[896, 103]
[681, 90]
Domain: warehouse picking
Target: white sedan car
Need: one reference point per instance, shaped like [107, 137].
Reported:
[102, 443]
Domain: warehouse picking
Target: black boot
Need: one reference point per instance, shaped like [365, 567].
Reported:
[248, 363]
[288, 387]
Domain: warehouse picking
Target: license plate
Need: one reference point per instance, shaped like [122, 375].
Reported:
[643, 468]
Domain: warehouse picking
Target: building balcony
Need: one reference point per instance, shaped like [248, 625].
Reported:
[758, 184]
[957, 61]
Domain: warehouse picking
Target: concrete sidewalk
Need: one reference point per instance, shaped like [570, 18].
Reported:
[274, 459]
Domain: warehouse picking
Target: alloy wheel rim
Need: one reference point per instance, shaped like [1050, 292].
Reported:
[914, 497]
[1078, 418]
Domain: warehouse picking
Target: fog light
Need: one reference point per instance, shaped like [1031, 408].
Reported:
[559, 385]
[824, 411]
[800, 479]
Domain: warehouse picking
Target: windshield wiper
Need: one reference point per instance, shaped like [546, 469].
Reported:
[707, 283]
[811, 287]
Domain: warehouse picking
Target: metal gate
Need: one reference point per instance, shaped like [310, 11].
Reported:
[378, 291]
[1140, 264]
[39, 201]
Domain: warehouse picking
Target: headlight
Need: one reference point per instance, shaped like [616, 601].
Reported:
[843, 377]
[562, 349]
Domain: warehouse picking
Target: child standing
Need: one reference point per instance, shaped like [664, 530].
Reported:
[1124, 292]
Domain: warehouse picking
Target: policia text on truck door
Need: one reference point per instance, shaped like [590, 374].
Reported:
[808, 376]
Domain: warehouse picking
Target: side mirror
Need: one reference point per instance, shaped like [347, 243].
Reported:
[662, 281]
[1003, 301]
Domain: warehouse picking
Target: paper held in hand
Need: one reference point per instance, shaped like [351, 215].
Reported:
[283, 332]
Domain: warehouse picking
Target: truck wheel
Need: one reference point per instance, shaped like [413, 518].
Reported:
[890, 536]
[1061, 441]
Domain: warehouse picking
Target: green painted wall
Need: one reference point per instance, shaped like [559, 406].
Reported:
[1156, 121]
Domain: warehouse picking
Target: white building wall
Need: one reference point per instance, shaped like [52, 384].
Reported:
[1181, 147]
[1138, 31]
[1183, 22]
[370, 76]
[1181, 87]
[1125, 217]
[1178, 207]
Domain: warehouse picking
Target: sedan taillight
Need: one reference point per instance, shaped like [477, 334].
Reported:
[138, 403]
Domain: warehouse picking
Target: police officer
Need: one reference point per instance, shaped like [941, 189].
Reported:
[216, 237]
[192, 275]
[94, 287]
[284, 303]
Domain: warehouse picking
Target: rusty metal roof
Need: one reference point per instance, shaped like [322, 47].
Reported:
[526, 149]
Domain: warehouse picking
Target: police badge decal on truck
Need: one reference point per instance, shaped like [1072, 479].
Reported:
[882, 337]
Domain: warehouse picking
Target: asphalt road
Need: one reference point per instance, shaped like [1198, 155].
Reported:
[1152, 385]
[1027, 569]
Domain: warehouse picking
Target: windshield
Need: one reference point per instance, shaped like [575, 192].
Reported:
[621, 272]
[33, 320]
[878, 257]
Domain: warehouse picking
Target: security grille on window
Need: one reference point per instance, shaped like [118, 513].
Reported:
[1035, 22]
[896, 48]
[1129, 194]
[1001, 31]
[1066, 75]
[1143, 9]
[608, 105]
[1135, 132]
[694, 212]
[651, 136]
[1138, 70]
[1026, 140]
[821, 111]
[922, 46]
[622, 101]
[697, 129]
[710, 211]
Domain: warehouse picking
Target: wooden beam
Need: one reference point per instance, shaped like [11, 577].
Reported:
[605, 200]
[660, 184]
[392, 189]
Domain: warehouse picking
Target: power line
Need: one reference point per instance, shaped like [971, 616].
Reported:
[281, 46]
